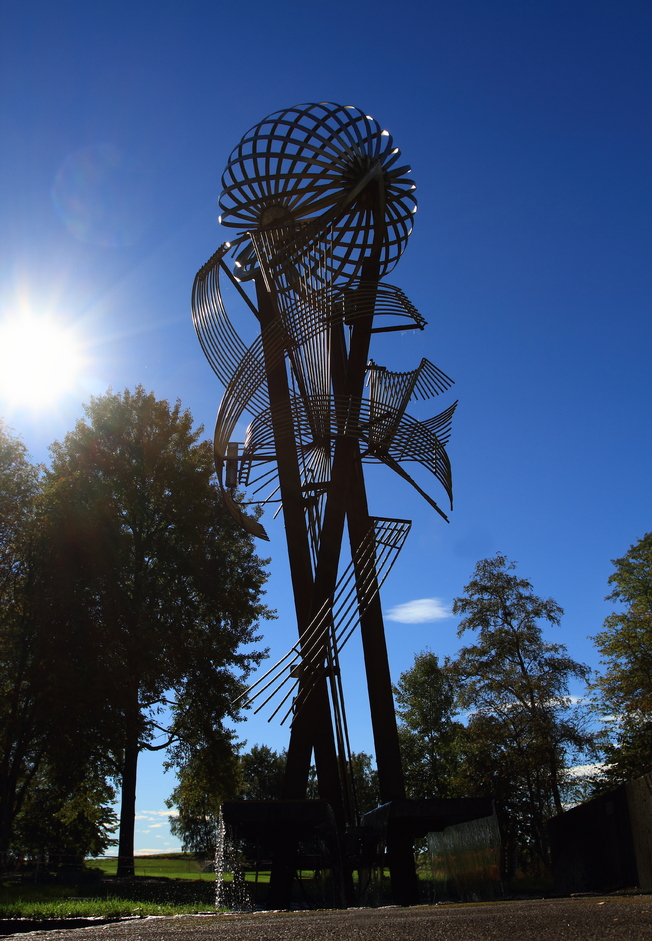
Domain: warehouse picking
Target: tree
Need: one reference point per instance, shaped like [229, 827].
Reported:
[50, 739]
[430, 736]
[523, 732]
[167, 586]
[23, 731]
[19, 490]
[207, 775]
[624, 688]
[211, 772]
[62, 824]
[365, 782]
[262, 770]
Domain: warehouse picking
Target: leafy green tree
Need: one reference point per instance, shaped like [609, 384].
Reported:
[430, 736]
[365, 782]
[262, 770]
[210, 772]
[207, 775]
[523, 732]
[624, 688]
[20, 486]
[23, 713]
[63, 823]
[53, 738]
[165, 584]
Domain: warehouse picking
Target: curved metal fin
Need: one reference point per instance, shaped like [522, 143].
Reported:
[304, 664]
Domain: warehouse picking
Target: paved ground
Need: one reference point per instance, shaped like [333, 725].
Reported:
[580, 919]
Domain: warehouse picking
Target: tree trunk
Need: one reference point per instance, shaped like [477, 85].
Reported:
[128, 807]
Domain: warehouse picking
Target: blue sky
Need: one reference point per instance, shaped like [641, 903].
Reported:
[527, 125]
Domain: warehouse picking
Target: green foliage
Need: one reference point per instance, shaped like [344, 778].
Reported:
[149, 588]
[20, 486]
[214, 773]
[64, 824]
[25, 721]
[365, 782]
[169, 583]
[208, 777]
[208, 773]
[430, 737]
[53, 796]
[624, 688]
[262, 770]
[523, 732]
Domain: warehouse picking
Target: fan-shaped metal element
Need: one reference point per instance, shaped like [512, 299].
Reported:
[391, 438]
[319, 649]
[307, 172]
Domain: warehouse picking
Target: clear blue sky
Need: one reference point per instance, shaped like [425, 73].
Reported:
[527, 125]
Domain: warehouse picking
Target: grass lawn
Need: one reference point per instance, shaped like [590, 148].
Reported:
[25, 899]
[172, 866]
[25, 907]
[108, 899]
[180, 887]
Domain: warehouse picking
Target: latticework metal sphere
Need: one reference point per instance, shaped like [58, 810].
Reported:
[321, 162]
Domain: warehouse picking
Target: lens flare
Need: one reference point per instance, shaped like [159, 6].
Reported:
[40, 360]
[101, 197]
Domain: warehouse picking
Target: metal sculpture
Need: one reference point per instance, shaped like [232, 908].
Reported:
[322, 210]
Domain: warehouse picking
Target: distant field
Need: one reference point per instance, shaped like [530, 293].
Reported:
[172, 866]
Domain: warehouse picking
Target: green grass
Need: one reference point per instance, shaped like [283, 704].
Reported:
[179, 888]
[173, 866]
[182, 889]
[87, 908]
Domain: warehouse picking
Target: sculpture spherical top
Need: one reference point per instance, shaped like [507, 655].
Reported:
[317, 164]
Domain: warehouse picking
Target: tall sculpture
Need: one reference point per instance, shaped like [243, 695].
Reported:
[321, 208]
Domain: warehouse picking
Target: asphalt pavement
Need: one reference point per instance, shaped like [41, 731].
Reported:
[626, 918]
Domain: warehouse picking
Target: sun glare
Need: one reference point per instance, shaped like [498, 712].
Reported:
[40, 360]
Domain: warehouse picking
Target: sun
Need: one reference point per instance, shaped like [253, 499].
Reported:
[40, 360]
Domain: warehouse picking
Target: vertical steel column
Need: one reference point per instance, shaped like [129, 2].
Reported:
[313, 727]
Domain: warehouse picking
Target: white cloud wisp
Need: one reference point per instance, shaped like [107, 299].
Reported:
[419, 611]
